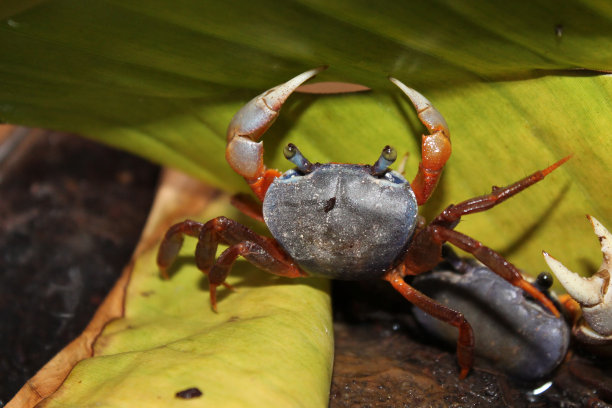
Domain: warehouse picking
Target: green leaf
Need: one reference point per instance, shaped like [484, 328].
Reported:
[270, 343]
[163, 79]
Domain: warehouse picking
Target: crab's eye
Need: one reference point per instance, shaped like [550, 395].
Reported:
[293, 154]
[387, 157]
[544, 280]
[289, 151]
[389, 154]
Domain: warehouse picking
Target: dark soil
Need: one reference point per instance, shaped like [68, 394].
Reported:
[71, 212]
[383, 359]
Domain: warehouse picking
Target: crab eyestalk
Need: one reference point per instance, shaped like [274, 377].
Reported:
[387, 157]
[293, 154]
[592, 293]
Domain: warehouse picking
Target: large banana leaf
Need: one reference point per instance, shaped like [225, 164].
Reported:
[516, 81]
[162, 79]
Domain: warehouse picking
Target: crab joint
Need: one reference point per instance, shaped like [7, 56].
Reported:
[591, 293]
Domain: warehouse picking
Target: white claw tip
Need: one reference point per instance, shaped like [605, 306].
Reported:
[419, 101]
[587, 292]
[428, 114]
[605, 240]
[274, 98]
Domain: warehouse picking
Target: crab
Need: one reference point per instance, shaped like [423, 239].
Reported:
[344, 221]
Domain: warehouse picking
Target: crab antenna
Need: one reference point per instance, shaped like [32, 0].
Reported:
[293, 154]
[387, 157]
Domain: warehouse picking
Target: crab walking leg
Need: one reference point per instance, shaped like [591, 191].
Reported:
[435, 147]
[260, 251]
[243, 153]
[262, 257]
[426, 249]
[453, 213]
[441, 230]
[173, 241]
[493, 260]
[465, 341]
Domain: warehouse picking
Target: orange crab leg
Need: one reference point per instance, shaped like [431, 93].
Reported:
[243, 153]
[435, 147]
[465, 340]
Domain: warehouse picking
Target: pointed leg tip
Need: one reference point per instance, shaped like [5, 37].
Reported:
[539, 296]
[213, 297]
[464, 372]
[554, 166]
[553, 309]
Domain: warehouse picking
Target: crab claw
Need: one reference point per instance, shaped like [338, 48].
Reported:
[243, 153]
[429, 116]
[592, 293]
[435, 147]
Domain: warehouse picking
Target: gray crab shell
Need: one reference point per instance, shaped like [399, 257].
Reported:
[341, 222]
[512, 331]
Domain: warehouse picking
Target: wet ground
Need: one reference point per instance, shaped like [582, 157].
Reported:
[383, 359]
[71, 212]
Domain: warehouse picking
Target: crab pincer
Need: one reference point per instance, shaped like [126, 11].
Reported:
[593, 323]
[243, 153]
[435, 147]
